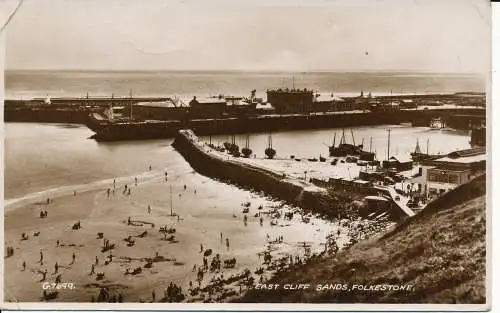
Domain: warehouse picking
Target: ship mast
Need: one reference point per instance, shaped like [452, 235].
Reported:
[371, 144]
[334, 138]
[352, 135]
[388, 143]
[131, 104]
[417, 148]
[427, 146]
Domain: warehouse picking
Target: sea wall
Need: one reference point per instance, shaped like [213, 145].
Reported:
[216, 165]
[47, 115]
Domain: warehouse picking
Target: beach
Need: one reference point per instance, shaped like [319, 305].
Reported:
[196, 224]
[65, 162]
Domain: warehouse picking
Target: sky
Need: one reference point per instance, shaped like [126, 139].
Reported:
[450, 36]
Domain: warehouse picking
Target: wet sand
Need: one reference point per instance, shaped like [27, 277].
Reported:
[215, 208]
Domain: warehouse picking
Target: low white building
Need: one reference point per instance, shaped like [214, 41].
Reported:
[457, 168]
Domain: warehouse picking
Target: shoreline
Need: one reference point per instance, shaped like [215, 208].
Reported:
[99, 214]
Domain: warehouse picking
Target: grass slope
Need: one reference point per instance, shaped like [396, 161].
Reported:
[441, 252]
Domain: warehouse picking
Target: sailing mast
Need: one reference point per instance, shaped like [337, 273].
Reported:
[352, 135]
[417, 148]
[427, 146]
[388, 143]
[131, 106]
[371, 144]
[334, 138]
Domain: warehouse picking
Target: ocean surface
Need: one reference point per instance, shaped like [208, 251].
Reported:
[52, 158]
[42, 156]
[29, 84]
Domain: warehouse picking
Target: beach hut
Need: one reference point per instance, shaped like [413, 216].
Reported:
[377, 202]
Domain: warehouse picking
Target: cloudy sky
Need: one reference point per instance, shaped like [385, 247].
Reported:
[352, 35]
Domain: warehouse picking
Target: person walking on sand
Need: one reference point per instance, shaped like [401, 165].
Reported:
[150, 168]
[114, 182]
[128, 194]
[57, 243]
[44, 275]
[153, 295]
[149, 209]
[41, 257]
[24, 265]
[73, 257]
[56, 268]
[201, 247]
[92, 269]
[227, 243]
[221, 236]
[96, 260]
[108, 192]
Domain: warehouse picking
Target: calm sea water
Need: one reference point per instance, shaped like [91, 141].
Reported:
[28, 84]
[40, 157]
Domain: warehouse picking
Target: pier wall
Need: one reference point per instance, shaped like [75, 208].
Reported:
[251, 177]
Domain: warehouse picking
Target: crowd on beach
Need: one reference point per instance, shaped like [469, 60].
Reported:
[215, 279]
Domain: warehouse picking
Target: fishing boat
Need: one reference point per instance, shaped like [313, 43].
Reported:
[246, 151]
[270, 152]
[345, 149]
[232, 147]
[417, 155]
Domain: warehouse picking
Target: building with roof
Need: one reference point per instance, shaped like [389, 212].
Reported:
[161, 110]
[208, 108]
[399, 162]
[291, 100]
[456, 168]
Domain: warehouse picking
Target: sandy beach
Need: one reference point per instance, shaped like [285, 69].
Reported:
[197, 223]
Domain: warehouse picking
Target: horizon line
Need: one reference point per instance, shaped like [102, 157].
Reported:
[405, 71]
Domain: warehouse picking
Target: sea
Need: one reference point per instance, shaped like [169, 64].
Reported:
[29, 84]
[49, 157]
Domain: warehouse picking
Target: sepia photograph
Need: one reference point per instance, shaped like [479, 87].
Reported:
[188, 152]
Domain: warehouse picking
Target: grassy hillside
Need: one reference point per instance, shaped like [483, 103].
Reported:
[441, 252]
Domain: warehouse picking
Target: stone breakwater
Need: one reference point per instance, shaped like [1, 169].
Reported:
[217, 165]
